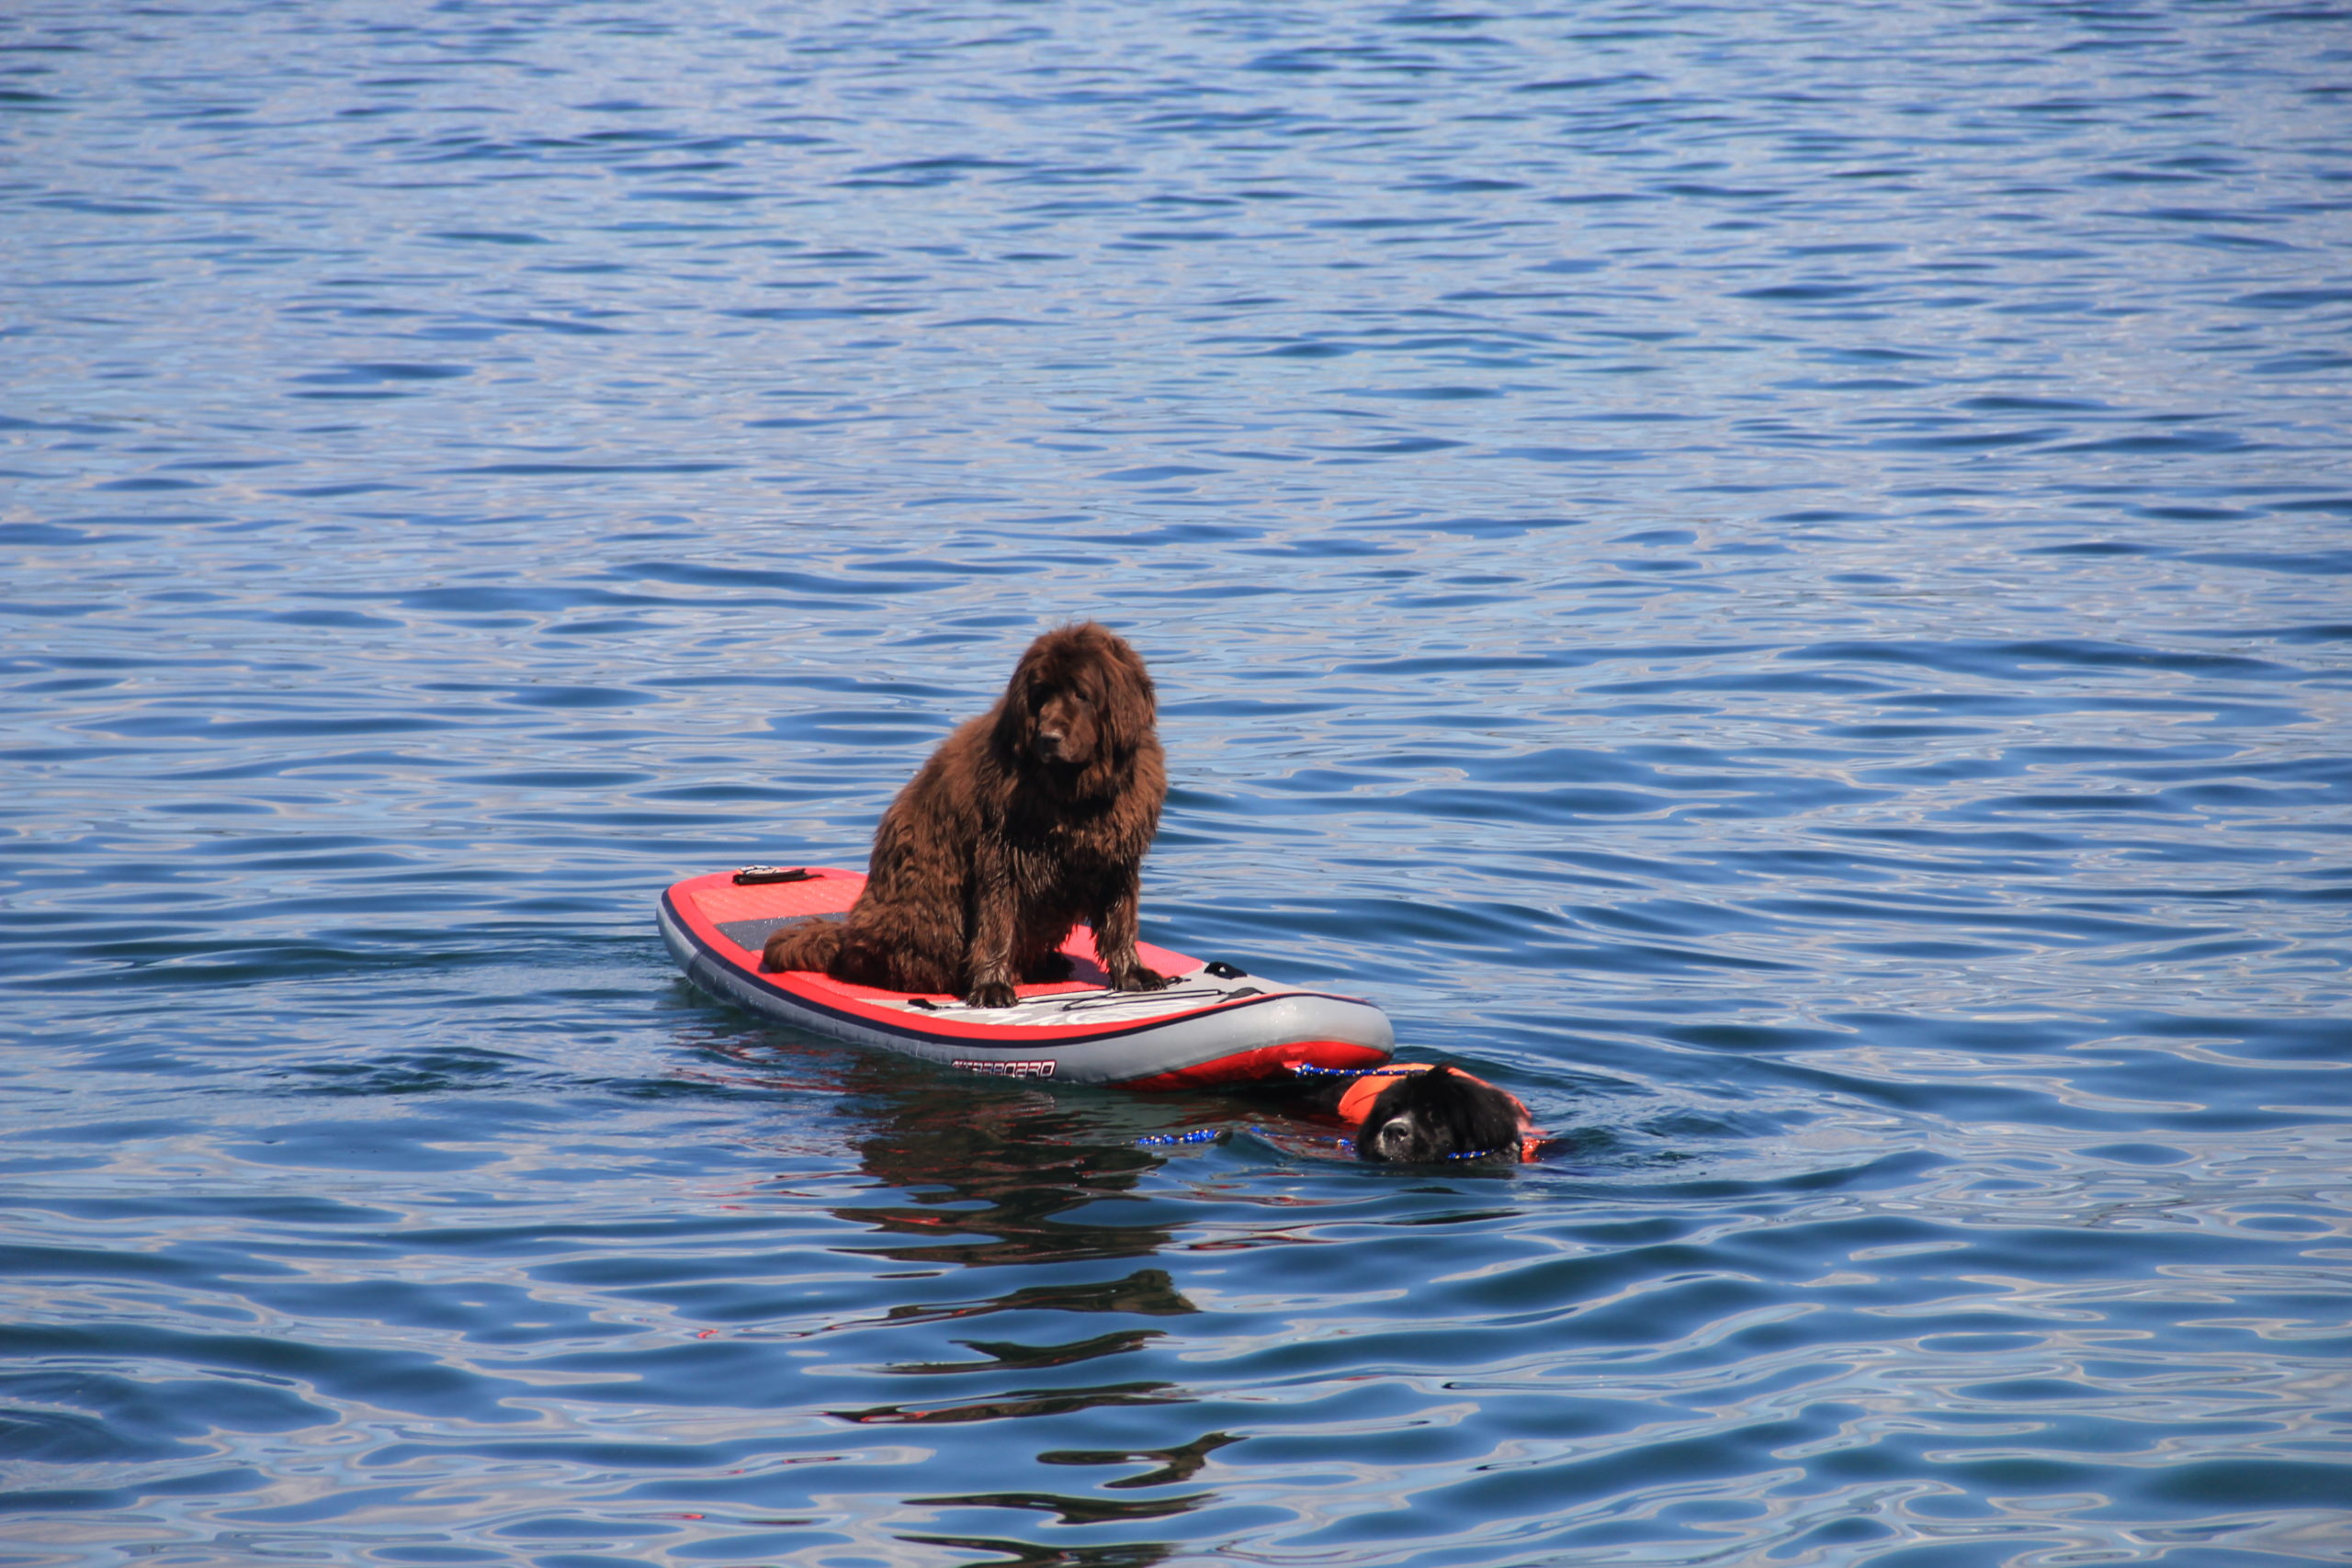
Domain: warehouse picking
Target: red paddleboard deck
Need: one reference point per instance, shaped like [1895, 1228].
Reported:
[1213, 1025]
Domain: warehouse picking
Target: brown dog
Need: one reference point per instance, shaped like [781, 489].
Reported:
[1029, 818]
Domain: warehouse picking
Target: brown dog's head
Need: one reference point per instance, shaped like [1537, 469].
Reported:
[1079, 703]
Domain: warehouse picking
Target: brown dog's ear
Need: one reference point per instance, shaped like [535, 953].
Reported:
[1129, 703]
[1016, 714]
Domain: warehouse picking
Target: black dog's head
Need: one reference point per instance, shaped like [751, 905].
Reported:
[1436, 1115]
[1079, 701]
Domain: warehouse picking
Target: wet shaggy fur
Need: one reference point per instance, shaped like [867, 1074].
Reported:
[1027, 819]
[1437, 1115]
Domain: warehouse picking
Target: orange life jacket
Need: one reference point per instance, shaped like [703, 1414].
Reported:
[1356, 1104]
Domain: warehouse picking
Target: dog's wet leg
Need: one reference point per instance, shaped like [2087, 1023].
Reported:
[1114, 940]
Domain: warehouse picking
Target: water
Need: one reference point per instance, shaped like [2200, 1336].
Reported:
[1772, 580]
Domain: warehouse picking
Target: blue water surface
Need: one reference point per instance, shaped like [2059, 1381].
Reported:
[1774, 578]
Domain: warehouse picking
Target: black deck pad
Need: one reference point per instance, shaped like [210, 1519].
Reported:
[753, 935]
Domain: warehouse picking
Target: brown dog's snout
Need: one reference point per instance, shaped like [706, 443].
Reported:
[1063, 733]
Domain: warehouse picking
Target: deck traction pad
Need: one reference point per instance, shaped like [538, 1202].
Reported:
[753, 935]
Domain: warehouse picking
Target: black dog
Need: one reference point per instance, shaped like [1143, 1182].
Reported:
[1410, 1114]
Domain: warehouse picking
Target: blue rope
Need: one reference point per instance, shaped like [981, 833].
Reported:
[1305, 1070]
[1199, 1136]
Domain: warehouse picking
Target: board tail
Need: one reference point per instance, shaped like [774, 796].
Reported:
[811, 945]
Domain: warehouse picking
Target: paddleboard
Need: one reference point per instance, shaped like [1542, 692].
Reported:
[1213, 1025]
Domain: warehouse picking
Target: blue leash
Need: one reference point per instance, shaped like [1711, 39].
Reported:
[1306, 1070]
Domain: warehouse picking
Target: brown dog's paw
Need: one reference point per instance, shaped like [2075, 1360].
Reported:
[990, 994]
[1138, 979]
